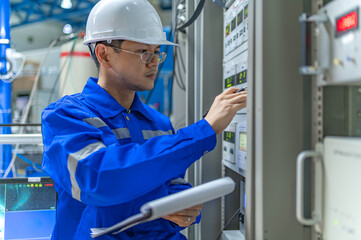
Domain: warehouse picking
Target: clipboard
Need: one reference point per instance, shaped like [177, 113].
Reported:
[171, 204]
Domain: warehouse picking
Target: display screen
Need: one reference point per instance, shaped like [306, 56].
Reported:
[246, 11]
[233, 24]
[243, 141]
[228, 29]
[240, 17]
[27, 210]
[229, 82]
[229, 136]
[347, 22]
[242, 77]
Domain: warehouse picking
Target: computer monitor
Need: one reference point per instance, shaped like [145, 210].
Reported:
[27, 208]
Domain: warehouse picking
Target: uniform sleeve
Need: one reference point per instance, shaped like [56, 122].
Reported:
[97, 171]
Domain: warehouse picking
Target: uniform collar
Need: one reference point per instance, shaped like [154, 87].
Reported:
[106, 103]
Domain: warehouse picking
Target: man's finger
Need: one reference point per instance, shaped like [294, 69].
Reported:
[229, 90]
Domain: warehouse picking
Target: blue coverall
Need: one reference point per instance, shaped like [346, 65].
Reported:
[108, 161]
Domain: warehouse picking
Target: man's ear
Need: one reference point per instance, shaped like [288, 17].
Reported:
[101, 51]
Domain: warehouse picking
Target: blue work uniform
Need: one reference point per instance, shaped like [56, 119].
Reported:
[108, 161]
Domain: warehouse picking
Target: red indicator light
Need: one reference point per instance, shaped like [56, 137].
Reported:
[48, 184]
[347, 22]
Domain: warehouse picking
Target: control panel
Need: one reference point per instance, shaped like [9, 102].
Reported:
[241, 153]
[338, 43]
[235, 73]
[236, 29]
[235, 67]
[229, 143]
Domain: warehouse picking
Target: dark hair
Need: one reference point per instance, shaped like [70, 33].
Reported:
[114, 43]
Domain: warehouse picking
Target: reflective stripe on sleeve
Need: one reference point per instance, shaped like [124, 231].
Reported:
[73, 160]
[179, 181]
[95, 122]
[121, 133]
[149, 133]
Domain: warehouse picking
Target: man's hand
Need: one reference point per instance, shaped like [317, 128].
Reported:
[224, 107]
[185, 217]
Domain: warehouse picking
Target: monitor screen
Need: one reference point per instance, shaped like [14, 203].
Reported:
[27, 208]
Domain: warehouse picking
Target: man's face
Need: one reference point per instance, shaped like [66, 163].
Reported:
[129, 71]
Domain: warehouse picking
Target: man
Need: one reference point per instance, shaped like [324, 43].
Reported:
[107, 152]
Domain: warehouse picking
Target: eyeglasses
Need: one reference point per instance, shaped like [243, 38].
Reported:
[147, 56]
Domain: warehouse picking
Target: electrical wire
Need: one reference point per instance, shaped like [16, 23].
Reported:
[158, 72]
[174, 28]
[156, 80]
[181, 60]
[33, 92]
[195, 15]
[170, 97]
[61, 71]
[36, 166]
[27, 109]
[70, 59]
[172, 34]
[229, 221]
[178, 80]
[176, 67]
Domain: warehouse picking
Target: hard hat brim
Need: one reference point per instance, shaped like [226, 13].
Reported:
[156, 42]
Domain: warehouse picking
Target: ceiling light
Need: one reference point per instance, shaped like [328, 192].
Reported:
[67, 29]
[66, 4]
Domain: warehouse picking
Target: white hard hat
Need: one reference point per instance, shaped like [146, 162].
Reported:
[134, 20]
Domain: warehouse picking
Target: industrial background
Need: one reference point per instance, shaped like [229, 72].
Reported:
[294, 152]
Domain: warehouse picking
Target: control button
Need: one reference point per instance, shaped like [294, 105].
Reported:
[337, 62]
[225, 148]
[231, 150]
[350, 59]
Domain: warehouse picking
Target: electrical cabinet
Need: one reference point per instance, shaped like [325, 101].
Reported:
[336, 129]
[338, 43]
[255, 46]
[235, 65]
[235, 62]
